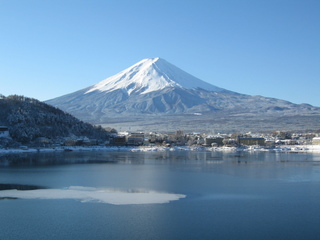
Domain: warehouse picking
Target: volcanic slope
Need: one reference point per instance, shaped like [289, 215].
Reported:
[155, 94]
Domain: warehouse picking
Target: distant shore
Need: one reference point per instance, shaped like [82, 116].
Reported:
[282, 148]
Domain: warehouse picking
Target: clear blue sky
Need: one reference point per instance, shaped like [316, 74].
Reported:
[269, 48]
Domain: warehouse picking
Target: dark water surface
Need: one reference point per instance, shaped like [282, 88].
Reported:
[228, 195]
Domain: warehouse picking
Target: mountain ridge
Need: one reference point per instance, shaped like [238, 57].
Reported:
[151, 74]
[154, 88]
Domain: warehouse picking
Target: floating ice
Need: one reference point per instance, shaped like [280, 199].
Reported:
[88, 194]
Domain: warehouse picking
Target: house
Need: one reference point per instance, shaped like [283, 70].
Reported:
[316, 141]
[289, 142]
[43, 141]
[119, 141]
[70, 142]
[230, 142]
[135, 139]
[213, 141]
[4, 132]
[249, 141]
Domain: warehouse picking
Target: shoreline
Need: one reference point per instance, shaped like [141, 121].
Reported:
[282, 148]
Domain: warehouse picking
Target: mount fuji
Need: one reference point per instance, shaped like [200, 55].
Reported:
[153, 94]
[150, 75]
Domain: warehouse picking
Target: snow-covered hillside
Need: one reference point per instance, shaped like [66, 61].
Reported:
[149, 75]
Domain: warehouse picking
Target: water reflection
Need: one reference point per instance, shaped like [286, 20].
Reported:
[78, 157]
[61, 158]
[228, 195]
[19, 187]
[247, 164]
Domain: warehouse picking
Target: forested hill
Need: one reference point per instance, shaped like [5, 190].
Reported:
[28, 119]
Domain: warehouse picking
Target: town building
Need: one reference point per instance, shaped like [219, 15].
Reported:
[135, 139]
[4, 132]
[119, 141]
[250, 141]
[316, 141]
[213, 141]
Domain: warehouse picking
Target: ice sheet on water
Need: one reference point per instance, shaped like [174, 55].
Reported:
[89, 194]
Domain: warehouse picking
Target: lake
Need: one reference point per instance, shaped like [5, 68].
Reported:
[160, 195]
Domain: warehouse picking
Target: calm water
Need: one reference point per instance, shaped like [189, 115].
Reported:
[228, 196]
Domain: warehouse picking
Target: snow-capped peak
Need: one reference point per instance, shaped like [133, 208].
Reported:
[151, 74]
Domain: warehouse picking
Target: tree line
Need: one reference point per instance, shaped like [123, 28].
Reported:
[28, 119]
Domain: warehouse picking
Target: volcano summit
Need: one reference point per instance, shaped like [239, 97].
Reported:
[150, 75]
[153, 94]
